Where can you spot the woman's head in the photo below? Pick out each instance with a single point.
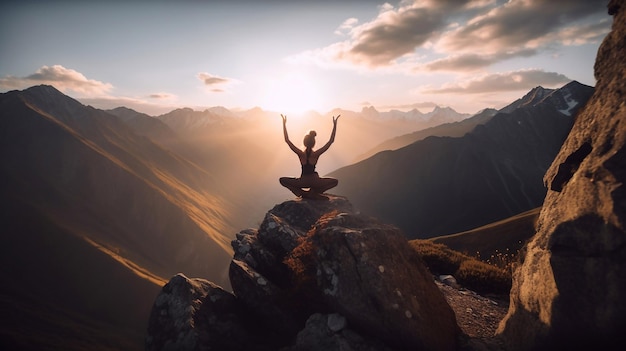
(309, 139)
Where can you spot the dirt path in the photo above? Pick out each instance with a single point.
(478, 316)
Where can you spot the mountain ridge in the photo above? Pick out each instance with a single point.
(502, 162)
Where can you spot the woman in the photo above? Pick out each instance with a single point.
(309, 179)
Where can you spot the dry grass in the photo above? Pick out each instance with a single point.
(469, 272)
(496, 243)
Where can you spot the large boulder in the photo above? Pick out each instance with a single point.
(570, 288)
(313, 276)
(366, 272)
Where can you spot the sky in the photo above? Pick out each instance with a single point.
(295, 56)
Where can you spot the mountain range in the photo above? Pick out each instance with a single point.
(100, 208)
(442, 185)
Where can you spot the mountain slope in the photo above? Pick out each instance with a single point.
(451, 129)
(113, 205)
(444, 185)
(502, 237)
(64, 293)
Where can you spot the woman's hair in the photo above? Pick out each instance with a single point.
(309, 139)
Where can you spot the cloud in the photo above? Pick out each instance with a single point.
(89, 91)
(346, 26)
(468, 34)
(62, 78)
(162, 96)
(583, 34)
(502, 82)
(472, 61)
(393, 34)
(211, 80)
(520, 24)
(215, 84)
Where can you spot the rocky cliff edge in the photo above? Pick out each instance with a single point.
(313, 276)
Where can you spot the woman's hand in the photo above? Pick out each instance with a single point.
(284, 118)
(335, 119)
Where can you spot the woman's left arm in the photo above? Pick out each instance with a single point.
(332, 136)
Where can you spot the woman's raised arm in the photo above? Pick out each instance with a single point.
(332, 136)
(291, 145)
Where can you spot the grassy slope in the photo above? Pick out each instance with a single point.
(505, 236)
(479, 259)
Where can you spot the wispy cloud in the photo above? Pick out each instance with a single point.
(162, 96)
(215, 83)
(347, 26)
(472, 61)
(62, 78)
(502, 82)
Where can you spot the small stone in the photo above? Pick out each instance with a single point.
(336, 322)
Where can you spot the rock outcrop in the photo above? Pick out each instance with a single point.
(569, 291)
(313, 276)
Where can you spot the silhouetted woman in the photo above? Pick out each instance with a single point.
(309, 179)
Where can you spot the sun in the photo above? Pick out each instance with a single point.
(294, 93)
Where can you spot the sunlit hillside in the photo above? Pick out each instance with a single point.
(95, 220)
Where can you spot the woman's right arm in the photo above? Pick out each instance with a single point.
(291, 145)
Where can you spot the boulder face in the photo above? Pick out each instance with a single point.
(313, 276)
(570, 286)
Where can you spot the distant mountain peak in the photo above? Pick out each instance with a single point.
(47, 91)
(534, 96)
(565, 98)
(369, 110)
(44, 88)
(220, 111)
(537, 93)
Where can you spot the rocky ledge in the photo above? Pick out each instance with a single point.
(313, 276)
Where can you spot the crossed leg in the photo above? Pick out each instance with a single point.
(316, 185)
(293, 184)
(321, 185)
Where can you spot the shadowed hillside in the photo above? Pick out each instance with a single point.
(65, 292)
(92, 210)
